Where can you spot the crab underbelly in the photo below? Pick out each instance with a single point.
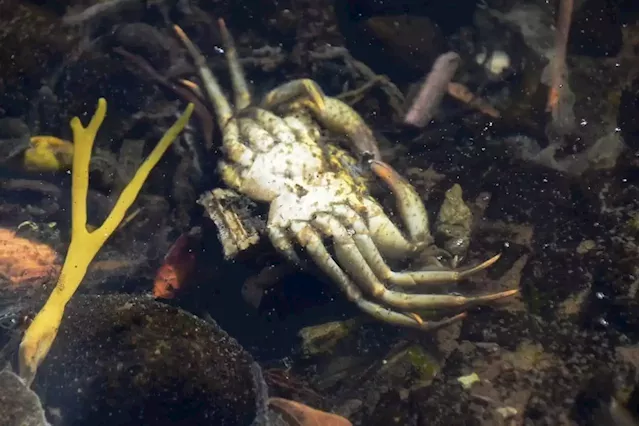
(321, 195)
(283, 167)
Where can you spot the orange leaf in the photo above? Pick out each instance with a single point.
(178, 266)
(26, 263)
(297, 414)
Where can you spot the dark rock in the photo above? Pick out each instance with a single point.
(19, 405)
(124, 360)
(31, 41)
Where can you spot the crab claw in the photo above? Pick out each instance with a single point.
(304, 90)
(334, 114)
(408, 202)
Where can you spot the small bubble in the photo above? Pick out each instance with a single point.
(219, 49)
(583, 122)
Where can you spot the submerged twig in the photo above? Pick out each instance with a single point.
(95, 11)
(361, 70)
(200, 109)
(433, 90)
(286, 382)
(437, 83)
(559, 67)
(464, 95)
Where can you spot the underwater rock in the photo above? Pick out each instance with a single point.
(19, 405)
(119, 360)
(30, 39)
(413, 40)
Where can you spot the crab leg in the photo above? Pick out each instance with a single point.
(409, 204)
(355, 264)
(414, 216)
(309, 239)
(211, 85)
(235, 151)
(240, 89)
(369, 250)
(416, 221)
(390, 240)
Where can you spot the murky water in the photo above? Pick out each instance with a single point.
(188, 315)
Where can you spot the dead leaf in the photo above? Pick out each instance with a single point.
(297, 414)
(26, 263)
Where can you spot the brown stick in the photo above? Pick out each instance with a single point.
(558, 70)
(464, 95)
(433, 90)
(201, 111)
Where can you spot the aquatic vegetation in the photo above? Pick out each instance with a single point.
(323, 338)
(48, 154)
(84, 245)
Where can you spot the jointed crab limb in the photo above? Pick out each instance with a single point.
(240, 89)
(341, 118)
(331, 112)
(313, 244)
(371, 257)
(334, 114)
(408, 202)
(352, 257)
(353, 264)
(235, 150)
(388, 238)
(211, 85)
(296, 90)
(414, 216)
(84, 245)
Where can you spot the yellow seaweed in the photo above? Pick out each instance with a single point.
(84, 245)
(48, 154)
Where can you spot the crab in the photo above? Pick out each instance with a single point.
(320, 211)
